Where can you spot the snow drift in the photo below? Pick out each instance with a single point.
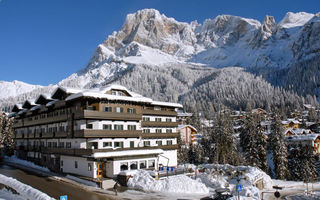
(23, 189)
(174, 184)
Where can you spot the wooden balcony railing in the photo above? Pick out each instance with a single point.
(158, 124)
(91, 114)
(159, 112)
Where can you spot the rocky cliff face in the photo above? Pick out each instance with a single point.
(148, 37)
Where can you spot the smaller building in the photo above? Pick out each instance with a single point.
(188, 134)
(303, 140)
(297, 131)
(182, 117)
(291, 123)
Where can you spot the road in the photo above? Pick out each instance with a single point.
(50, 186)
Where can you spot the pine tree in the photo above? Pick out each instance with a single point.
(308, 165)
(224, 147)
(6, 133)
(182, 151)
(253, 142)
(294, 163)
(279, 149)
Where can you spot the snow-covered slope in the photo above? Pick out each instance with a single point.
(14, 88)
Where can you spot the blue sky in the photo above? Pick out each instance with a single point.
(44, 41)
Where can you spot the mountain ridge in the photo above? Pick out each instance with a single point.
(148, 38)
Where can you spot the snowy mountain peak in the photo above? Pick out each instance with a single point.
(292, 20)
(14, 88)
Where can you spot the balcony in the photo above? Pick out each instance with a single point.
(91, 114)
(158, 124)
(159, 135)
(159, 112)
(108, 133)
(47, 135)
(31, 135)
(61, 134)
(40, 121)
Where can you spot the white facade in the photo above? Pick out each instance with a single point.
(78, 165)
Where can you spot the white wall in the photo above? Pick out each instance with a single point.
(163, 118)
(172, 155)
(98, 124)
(69, 166)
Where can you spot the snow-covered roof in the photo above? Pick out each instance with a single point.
(88, 93)
(51, 103)
(265, 123)
(161, 103)
(184, 114)
(12, 114)
(134, 97)
(309, 137)
(31, 102)
(126, 153)
(37, 107)
(46, 96)
(298, 131)
(22, 111)
(117, 87)
(19, 106)
(186, 125)
(291, 120)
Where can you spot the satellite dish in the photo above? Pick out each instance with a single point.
(277, 194)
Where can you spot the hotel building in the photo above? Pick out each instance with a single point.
(97, 132)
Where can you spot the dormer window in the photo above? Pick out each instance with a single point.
(117, 93)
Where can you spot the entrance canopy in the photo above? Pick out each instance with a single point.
(127, 153)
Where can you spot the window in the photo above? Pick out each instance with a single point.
(61, 144)
(151, 163)
(118, 144)
(75, 164)
(146, 130)
(123, 166)
(146, 143)
(54, 144)
(131, 110)
(89, 166)
(118, 109)
(107, 126)
(118, 127)
(158, 119)
(107, 109)
(68, 145)
(89, 126)
(61, 163)
(157, 108)
(158, 130)
(133, 165)
(132, 127)
(159, 142)
(131, 144)
(91, 108)
(168, 120)
(169, 142)
(146, 119)
(49, 144)
(169, 130)
(143, 164)
(107, 144)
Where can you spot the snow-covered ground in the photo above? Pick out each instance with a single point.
(186, 186)
(15, 160)
(173, 184)
(23, 191)
(213, 177)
